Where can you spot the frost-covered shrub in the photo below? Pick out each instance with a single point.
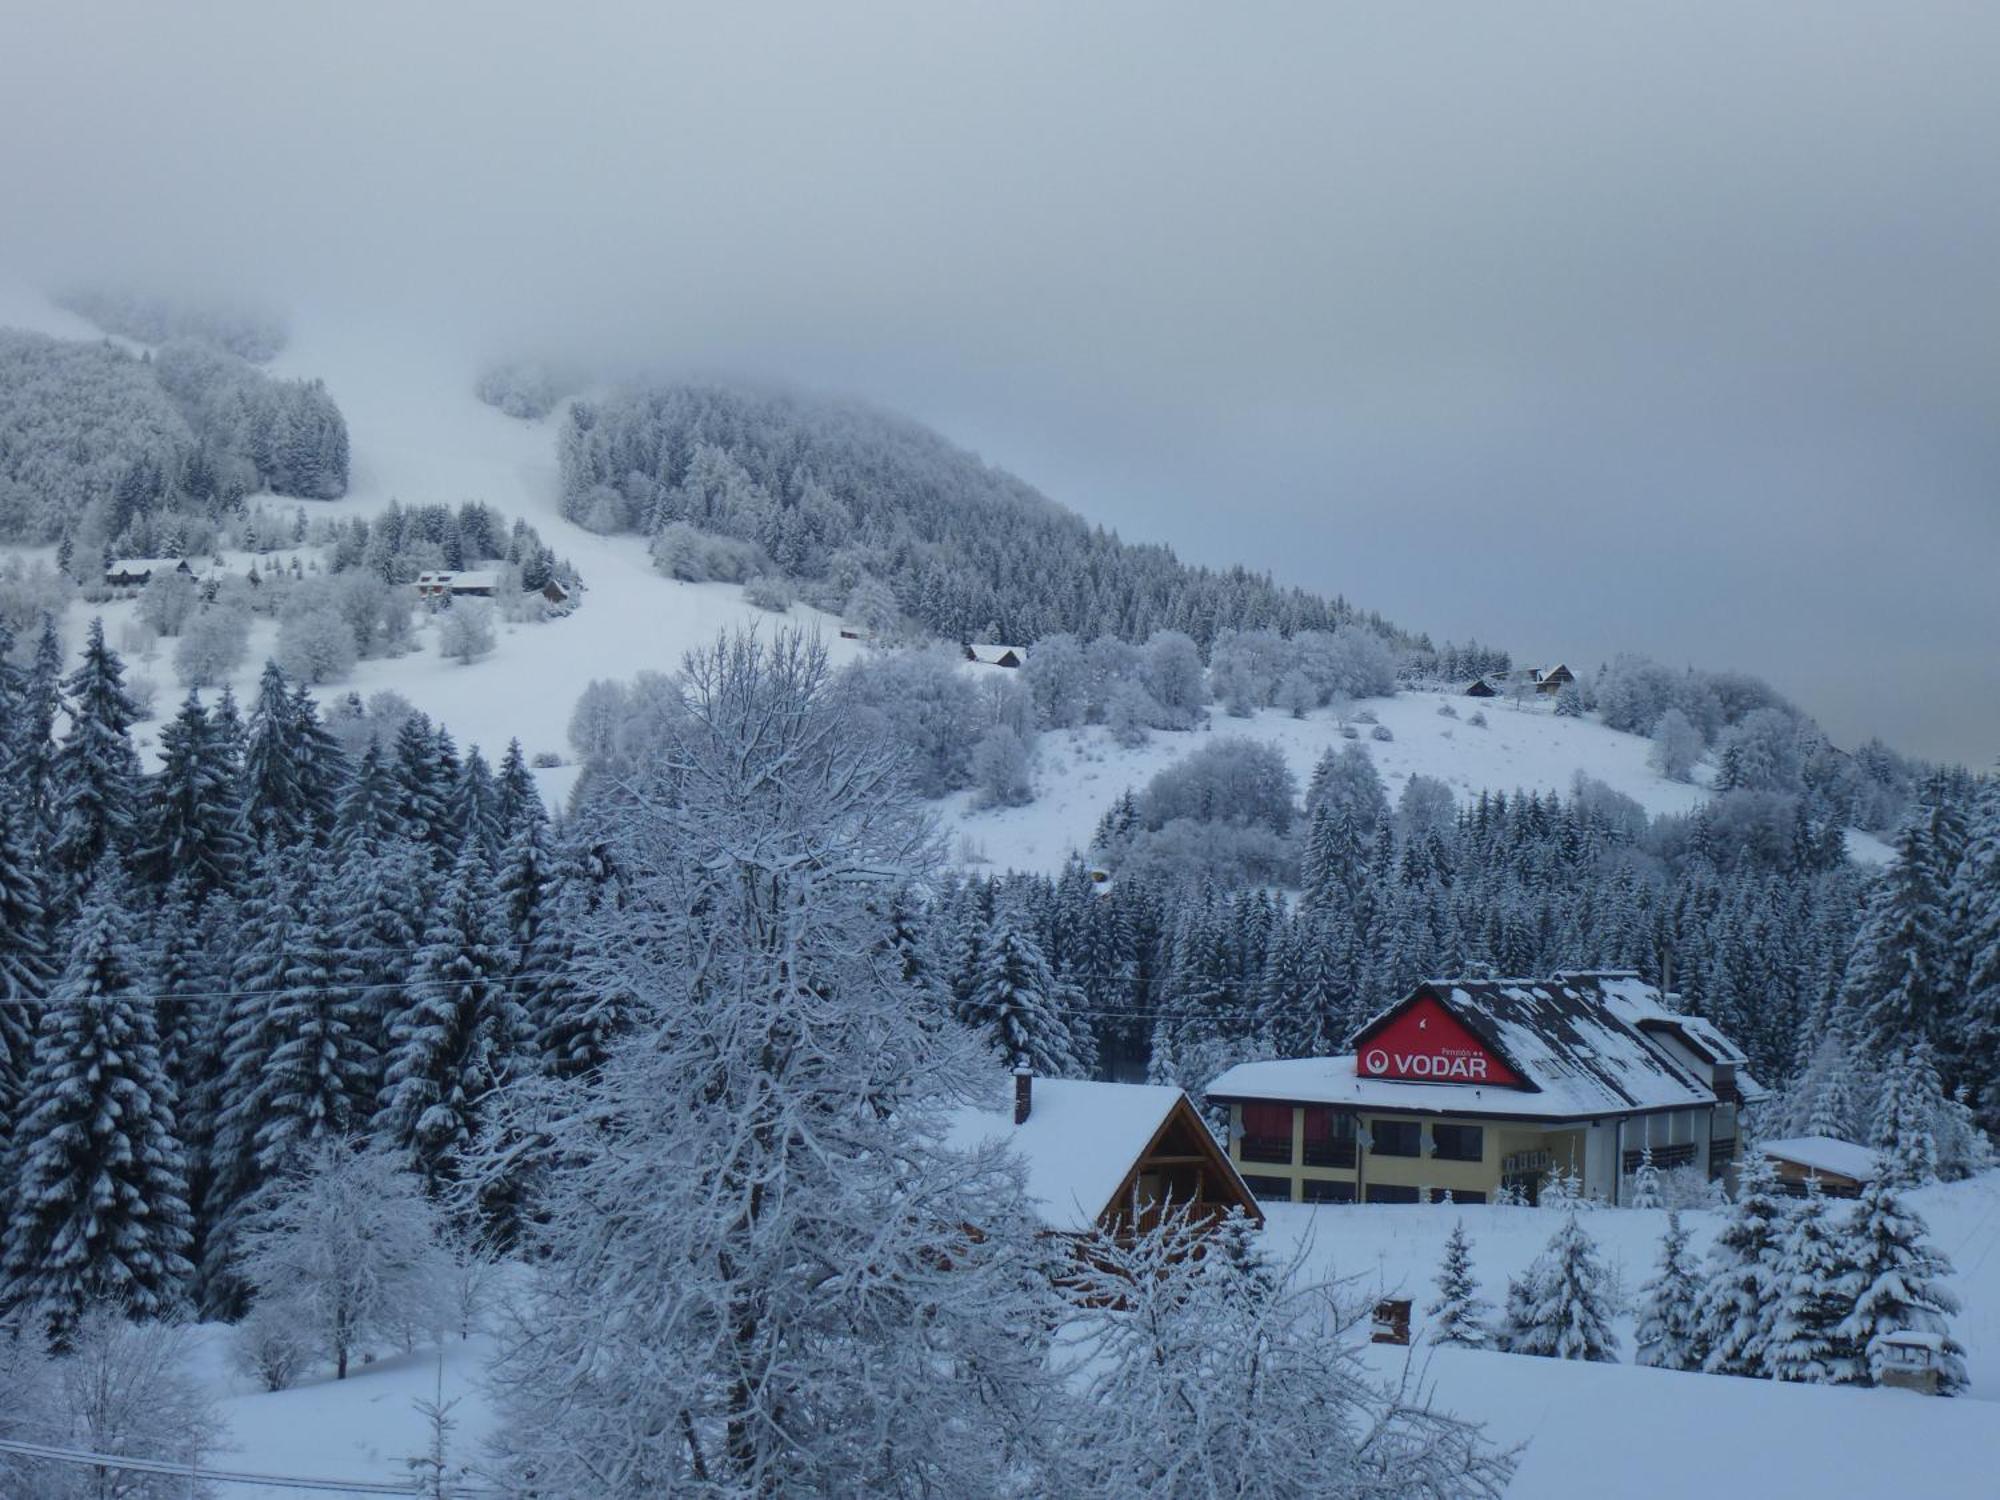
(1191, 851)
(1296, 694)
(29, 591)
(523, 388)
(465, 631)
(1170, 668)
(769, 591)
(1232, 780)
(680, 551)
(1001, 769)
(1677, 745)
(212, 645)
(145, 696)
(268, 1348)
(1381, 732)
(1426, 805)
(545, 760)
(923, 702)
(1057, 678)
(1446, 711)
(168, 600)
(1130, 714)
(315, 643)
(1350, 732)
(1478, 718)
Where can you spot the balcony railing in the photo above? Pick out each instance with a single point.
(1266, 1148)
(1334, 1153)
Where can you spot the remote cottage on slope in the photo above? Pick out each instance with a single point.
(1472, 1086)
(1108, 1155)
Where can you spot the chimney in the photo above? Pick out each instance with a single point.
(1024, 1089)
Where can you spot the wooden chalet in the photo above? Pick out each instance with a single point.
(1481, 688)
(1841, 1168)
(1550, 680)
(1109, 1156)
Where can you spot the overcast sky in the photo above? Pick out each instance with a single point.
(1577, 327)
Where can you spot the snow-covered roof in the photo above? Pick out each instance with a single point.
(992, 654)
(1575, 1040)
(468, 579)
(1824, 1153)
(1079, 1141)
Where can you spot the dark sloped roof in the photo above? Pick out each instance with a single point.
(1565, 1041)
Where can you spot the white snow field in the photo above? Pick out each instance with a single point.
(1590, 1431)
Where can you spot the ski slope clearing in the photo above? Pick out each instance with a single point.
(1590, 1430)
(418, 434)
(1078, 773)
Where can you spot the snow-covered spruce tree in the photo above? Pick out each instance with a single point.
(461, 1034)
(1016, 1003)
(1459, 1316)
(1194, 1377)
(24, 962)
(320, 1078)
(1899, 1278)
(1975, 1055)
(1901, 965)
(1903, 1132)
(191, 829)
(762, 1273)
(1668, 1334)
(99, 1182)
(1646, 1182)
(1740, 1295)
(1565, 1310)
(346, 1247)
(1816, 1286)
(94, 775)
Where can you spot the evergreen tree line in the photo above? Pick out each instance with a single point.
(1794, 1289)
(106, 448)
(265, 946)
(860, 506)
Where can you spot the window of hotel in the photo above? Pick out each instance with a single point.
(1270, 1189)
(1463, 1195)
(1458, 1142)
(1389, 1192)
(1329, 1137)
(1267, 1133)
(1396, 1138)
(1321, 1191)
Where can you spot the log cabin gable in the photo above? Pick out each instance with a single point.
(1180, 1150)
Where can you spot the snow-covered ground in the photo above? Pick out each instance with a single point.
(1590, 1430)
(1077, 773)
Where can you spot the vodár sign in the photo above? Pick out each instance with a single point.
(1426, 1043)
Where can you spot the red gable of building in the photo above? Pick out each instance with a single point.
(1423, 1042)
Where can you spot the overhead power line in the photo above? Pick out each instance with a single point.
(126, 1463)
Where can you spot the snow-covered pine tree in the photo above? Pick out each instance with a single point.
(517, 802)
(1899, 1279)
(777, 1117)
(460, 1035)
(1903, 1132)
(1565, 1309)
(192, 827)
(1646, 1182)
(24, 962)
(99, 1181)
(1975, 1054)
(1816, 1286)
(1668, 1334)
(273, 803)
(1740, 1296)
(94, 775)
(1459, 1316)
(320, 1081)
(1901, 965)
(1017, 1004)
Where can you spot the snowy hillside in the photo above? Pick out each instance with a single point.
(1589, 1430)
(418, 434)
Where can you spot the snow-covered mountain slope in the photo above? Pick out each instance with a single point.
(418, 434)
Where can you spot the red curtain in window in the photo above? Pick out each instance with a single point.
(1319, 1124)
(1267, 1121)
